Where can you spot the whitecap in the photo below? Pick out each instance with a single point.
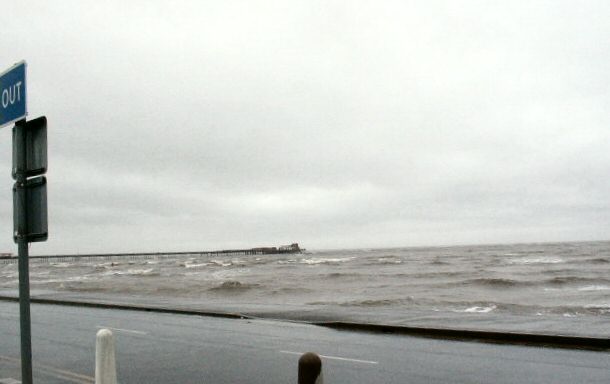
(389, 260)
(131, 272)
(60, 280)
(289, 261)
(589, 288)
(477, 309)
(315, 260)
(194, 265)
(221, 263)
(538, 260)
(140, 271)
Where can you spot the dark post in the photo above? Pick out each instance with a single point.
(310, 369)
(22, 240)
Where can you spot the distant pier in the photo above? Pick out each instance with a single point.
(285, 249)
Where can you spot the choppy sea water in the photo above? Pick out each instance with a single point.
(561, 288)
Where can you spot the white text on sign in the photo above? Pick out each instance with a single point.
(11, 95)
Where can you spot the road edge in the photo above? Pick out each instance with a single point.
(493, 337)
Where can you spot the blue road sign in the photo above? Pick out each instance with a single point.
(13, 94)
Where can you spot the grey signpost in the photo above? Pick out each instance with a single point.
(29, 191)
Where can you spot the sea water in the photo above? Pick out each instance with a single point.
(560, 288)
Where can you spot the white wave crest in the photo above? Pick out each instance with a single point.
(317, 260)
(389, 260)
(594, 288)
(289, 261)
(131, 272)
(538, 260)
(221, 263)
(477, 309)
(195, 265)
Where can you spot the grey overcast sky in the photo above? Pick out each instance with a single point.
(185, 125)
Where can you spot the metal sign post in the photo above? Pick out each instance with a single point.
(20, 213)
(29, 216)
(29, 193)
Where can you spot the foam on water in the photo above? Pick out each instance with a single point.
(589, 288)
(477, 309)
(132, 272)
(538, 260)
(317, 260)
(195, 265)
(389, 260)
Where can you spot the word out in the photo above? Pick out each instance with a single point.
(11, 95)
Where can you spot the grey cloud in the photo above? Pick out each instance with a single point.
(207, 125)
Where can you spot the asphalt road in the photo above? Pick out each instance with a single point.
(166, 348)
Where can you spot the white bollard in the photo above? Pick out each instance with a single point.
(105, 366)
(310, 369)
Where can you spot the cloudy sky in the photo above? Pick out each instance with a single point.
(215, 124)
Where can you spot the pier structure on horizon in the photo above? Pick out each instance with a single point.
(284, 249)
